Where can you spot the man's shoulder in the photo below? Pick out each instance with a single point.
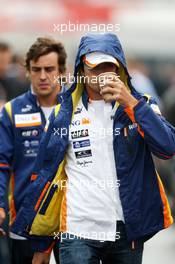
(20, 98)
(22, 104)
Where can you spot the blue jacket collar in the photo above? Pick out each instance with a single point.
(33, 97)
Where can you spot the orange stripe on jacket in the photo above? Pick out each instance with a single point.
(130, 113)
(63, 215)
(49, 250)
(168, 220)
(4, 165)
(28, 124)
(41, 196)
(11, 200)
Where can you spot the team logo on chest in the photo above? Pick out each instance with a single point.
(26, 120)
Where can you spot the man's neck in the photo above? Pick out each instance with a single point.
(45, 102)
(48, 100)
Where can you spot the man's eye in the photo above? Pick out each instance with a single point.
(49, 69)
(35, 69)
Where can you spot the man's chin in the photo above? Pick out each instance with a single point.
(44, 93)
(96, 90)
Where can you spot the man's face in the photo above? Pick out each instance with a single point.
(91, 74)
(42, 73)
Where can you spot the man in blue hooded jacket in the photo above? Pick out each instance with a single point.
(95, 185)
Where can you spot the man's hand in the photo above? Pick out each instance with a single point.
(119, 93)
(41, 258)
(2, 218)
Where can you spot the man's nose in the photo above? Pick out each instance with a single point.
(43, 75)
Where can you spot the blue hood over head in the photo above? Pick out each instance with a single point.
(107, 43)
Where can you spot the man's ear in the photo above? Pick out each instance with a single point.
(28, 74)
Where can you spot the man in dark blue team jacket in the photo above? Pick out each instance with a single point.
(22, 123)
(97, 135)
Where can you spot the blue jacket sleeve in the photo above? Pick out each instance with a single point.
(6, 153)
(157, 132)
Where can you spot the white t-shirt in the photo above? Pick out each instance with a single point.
(93, 203)
(47, 111)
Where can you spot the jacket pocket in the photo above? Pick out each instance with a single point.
(48, 199)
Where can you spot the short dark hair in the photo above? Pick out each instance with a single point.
(43, 46)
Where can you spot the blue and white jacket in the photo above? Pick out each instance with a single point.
(144, 203)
